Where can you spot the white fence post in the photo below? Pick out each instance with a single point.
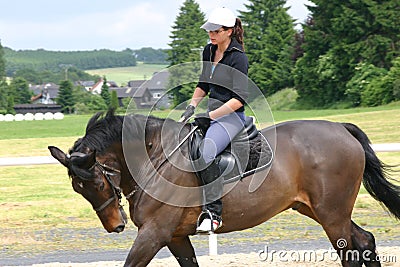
(388, 147)
(213, 244)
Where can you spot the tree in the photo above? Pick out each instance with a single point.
(105, 92)
(65, 97)
(151, 55)
(345, 34)
(114, 104)
(269, 42)
(187, 43)
(19, 88)
(41, 59)
(4, 89)
(384, 88)
(2, 63)
(360, 82)
(4, 96)
(38, 77)
(97, 103)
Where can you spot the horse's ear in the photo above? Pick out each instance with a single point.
(91, 158)
(85, 161)
(59, 155)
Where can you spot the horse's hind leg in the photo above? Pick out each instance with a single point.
(182, 249)
(339, 233)
(333, 212)
(338, 227)
(365, 243)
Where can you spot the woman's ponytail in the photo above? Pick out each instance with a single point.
(238, 32)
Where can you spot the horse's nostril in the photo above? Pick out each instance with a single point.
(119, 228)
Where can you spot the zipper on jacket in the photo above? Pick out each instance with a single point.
(212, 72)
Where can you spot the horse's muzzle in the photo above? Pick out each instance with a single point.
(119, 228)
(124, 218)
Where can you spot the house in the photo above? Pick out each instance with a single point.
(156, 87)
(43, 100)
(44, 93)
(36, 108)
(85, 84)
(136, 83)
(96, 88)
(140, 95)
(145, 93)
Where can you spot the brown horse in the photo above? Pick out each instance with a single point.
(317, 170)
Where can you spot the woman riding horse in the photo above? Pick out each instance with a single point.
(225, 116)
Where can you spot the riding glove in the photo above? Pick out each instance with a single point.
(188, 113)
(202, 120)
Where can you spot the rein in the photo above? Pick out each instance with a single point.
(178, 146)
(137, 188)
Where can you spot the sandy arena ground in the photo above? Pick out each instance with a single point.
(390, 256)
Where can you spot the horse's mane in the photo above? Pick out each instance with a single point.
(104, 130)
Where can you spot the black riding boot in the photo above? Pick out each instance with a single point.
(212, 191)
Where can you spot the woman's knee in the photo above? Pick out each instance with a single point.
(208, 150)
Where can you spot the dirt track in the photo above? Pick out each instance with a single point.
(390, 256)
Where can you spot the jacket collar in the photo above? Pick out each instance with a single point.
(234, 45)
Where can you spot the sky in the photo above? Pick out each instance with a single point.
(102, 24)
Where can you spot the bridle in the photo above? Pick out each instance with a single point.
(107, 171)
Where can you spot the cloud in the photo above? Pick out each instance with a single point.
(136, 26)
(79, 25)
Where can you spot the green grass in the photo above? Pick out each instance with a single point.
(280, 115)
(69, 126)
(37, 195)
(123, 75)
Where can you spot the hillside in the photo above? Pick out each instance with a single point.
(122, 75)
(54, 61)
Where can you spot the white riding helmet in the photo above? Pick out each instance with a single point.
(219, 17)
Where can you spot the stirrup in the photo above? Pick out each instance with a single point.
(207, 223)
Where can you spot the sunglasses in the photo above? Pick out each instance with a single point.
(216, 32)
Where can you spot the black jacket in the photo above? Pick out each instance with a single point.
(229, 79)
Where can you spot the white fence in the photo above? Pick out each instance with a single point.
(21, 161)
(212, 241)
(31, 116)
(389, 147)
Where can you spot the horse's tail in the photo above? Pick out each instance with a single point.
(376, 175)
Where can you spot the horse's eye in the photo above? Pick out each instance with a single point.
(101, 187)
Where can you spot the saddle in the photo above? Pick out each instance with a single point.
(248, 153)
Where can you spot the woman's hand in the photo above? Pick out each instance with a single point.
(203, 121)
(188, 113)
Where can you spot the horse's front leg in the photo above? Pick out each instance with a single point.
(150, 239)
(182, 249)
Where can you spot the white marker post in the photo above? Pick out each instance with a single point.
(213, 244)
